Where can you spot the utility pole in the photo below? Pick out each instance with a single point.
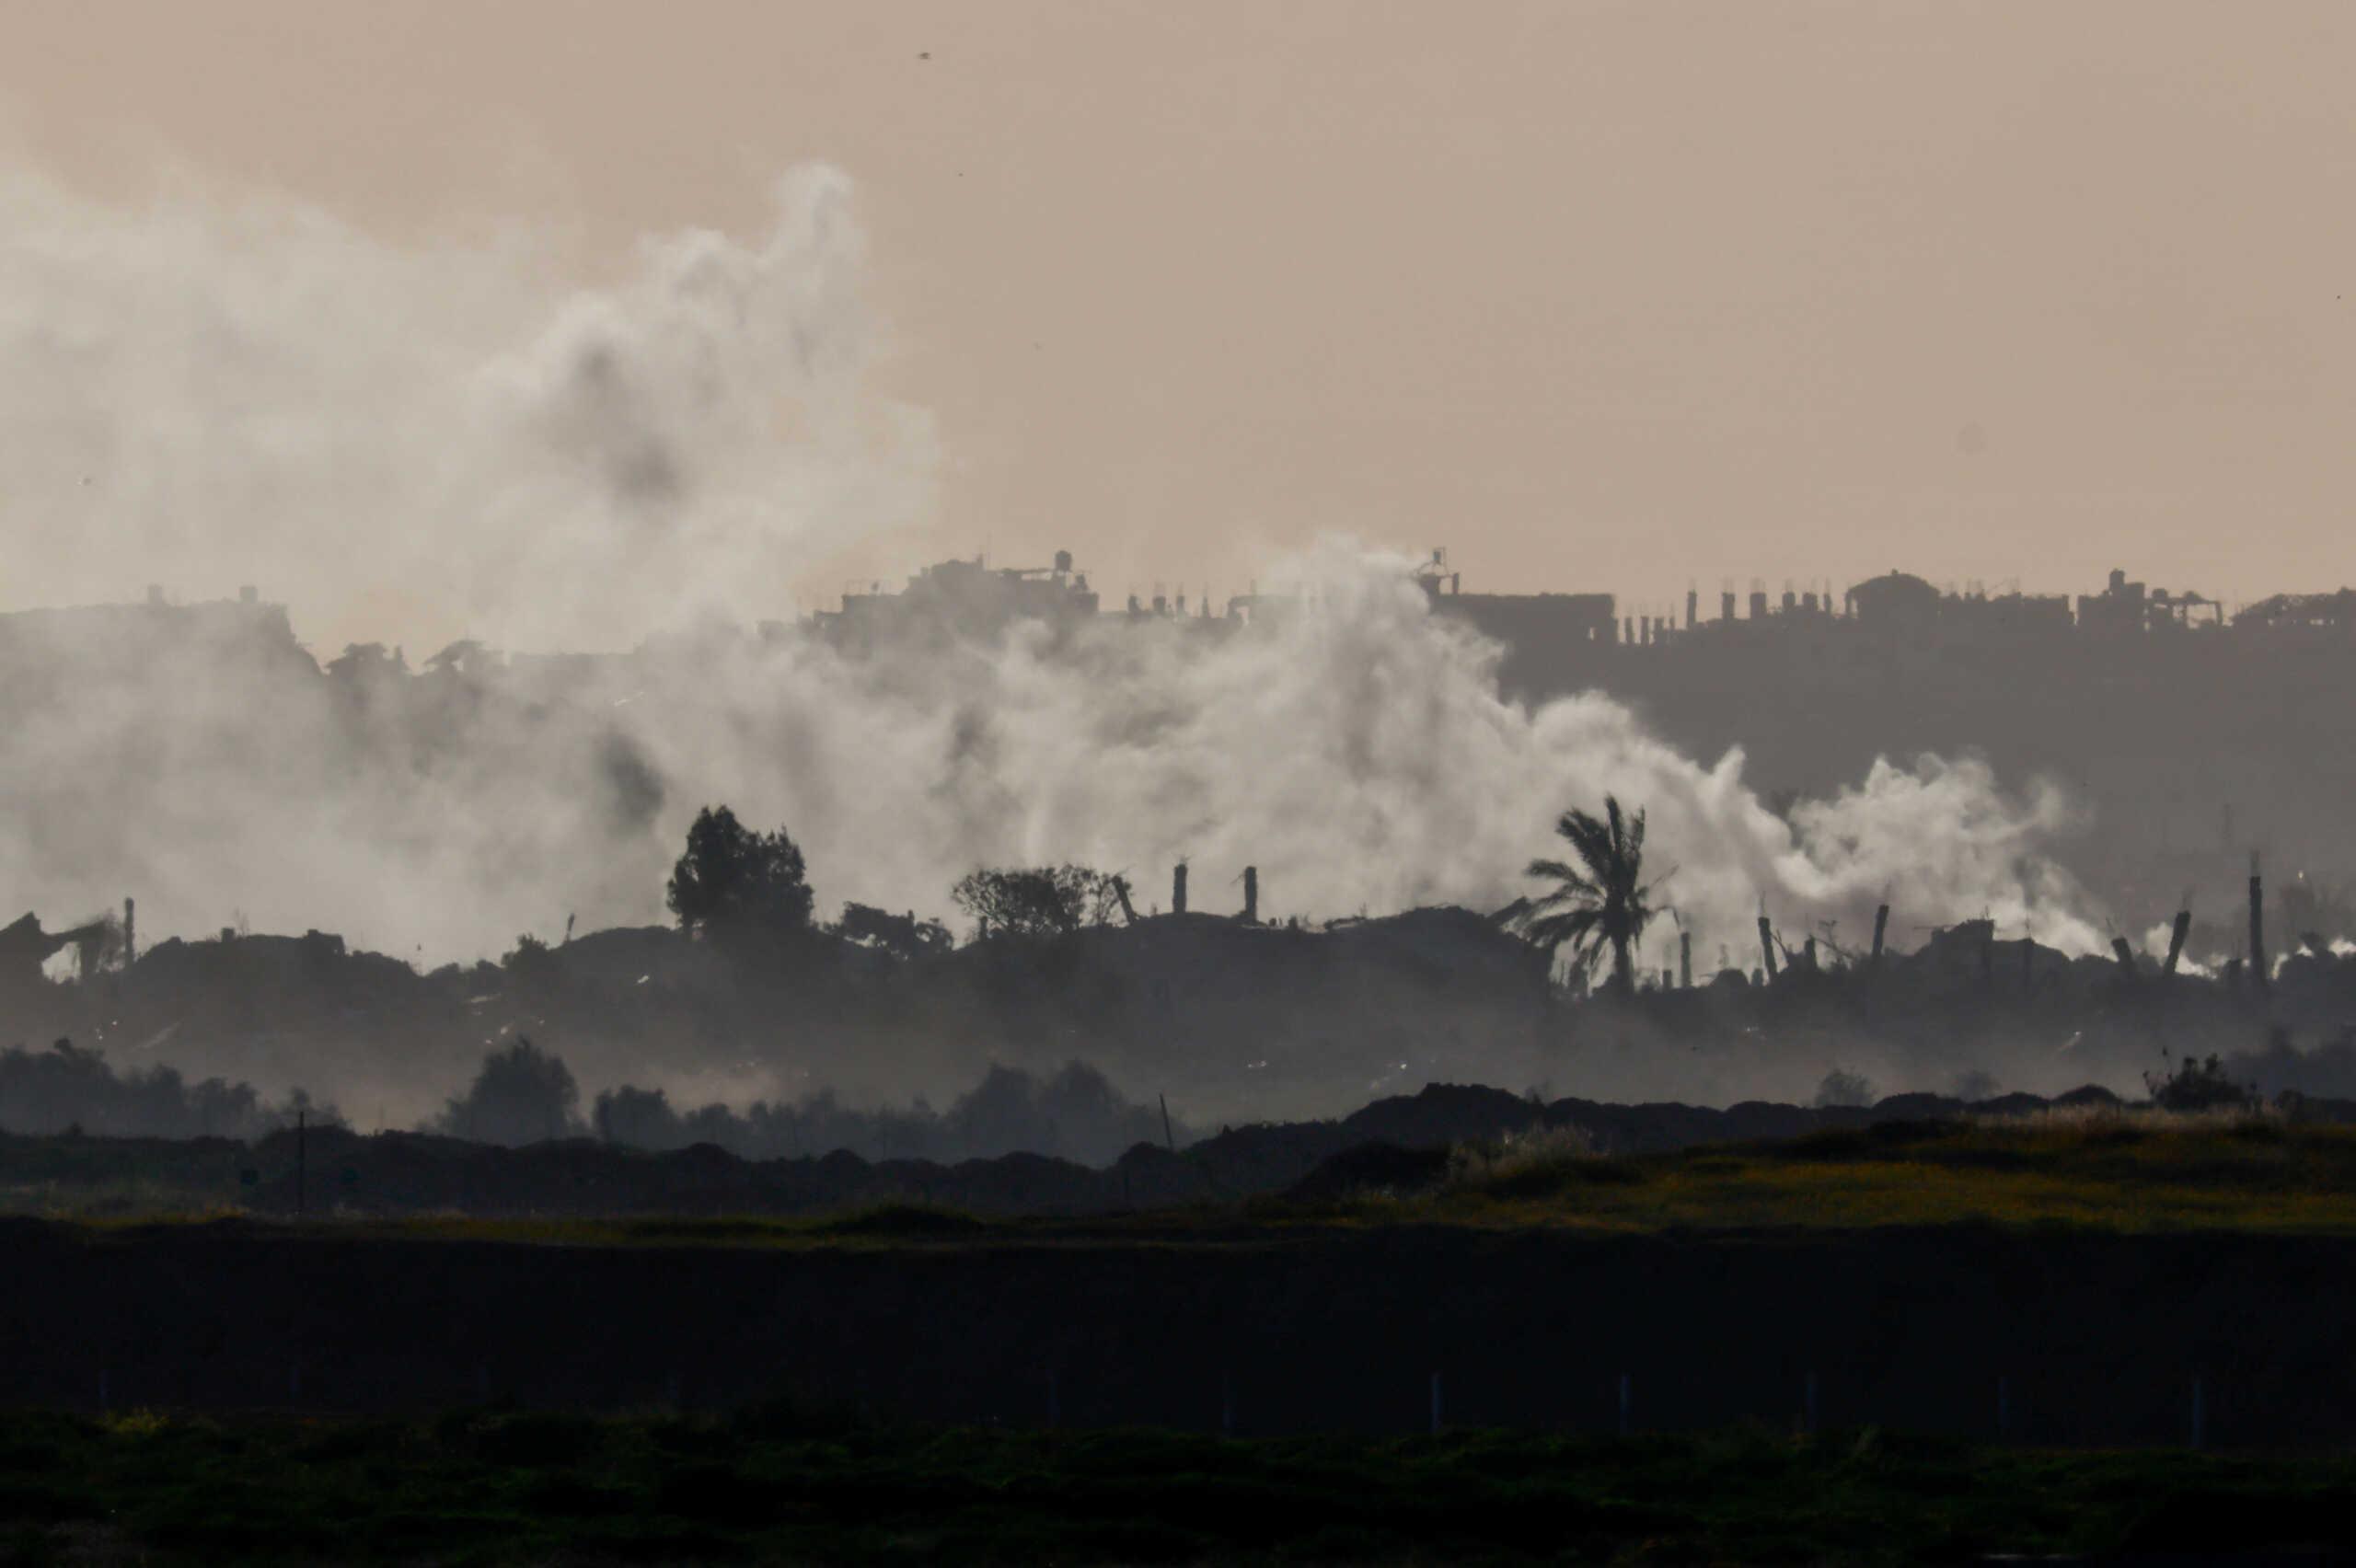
(2257, 926)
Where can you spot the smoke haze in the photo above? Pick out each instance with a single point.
(205, 392)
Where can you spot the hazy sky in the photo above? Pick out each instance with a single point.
(1598, 296)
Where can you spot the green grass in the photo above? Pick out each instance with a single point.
(2118, 1172)
(2136, 1174)
(781, 1483)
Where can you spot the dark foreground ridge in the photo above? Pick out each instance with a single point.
(1397, 1144)
(786, 1482)
(2051, 1338)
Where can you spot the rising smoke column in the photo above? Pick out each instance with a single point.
(212, 391)
(1357, 752)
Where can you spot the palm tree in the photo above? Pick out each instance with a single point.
(1601, 903)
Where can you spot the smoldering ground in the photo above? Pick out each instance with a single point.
(215, 391)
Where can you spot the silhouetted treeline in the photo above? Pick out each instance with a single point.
(1236, 1021)
(68, 1089)
(1075, 1114)
(522, 1095)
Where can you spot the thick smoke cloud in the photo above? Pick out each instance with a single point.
(200, 392)
(205, 391)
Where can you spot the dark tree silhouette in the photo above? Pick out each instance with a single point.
(2196, 1085)
(533, 966)
(1601, 903)
(732, 879)
(1042, 901)
(521, 1096)
(47, 1091)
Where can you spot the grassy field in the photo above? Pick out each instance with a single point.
(2129, 1173)
(2125, 1173)
(783, 1482)
(788, 1484)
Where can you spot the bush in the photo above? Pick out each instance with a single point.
(521, 1096)
(1841, 1087)
(1526, 1163)
(2198, 1085)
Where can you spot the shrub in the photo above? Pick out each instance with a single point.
(2198, 1085)
(1841, 1087)
(1526, 1163)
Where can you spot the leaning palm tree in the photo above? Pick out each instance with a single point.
(1601, 903)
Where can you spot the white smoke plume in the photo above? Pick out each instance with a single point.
(196, 392)
(205, 391)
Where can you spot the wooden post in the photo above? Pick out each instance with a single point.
(1178, 889)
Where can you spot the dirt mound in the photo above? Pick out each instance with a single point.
(1373, 1168)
